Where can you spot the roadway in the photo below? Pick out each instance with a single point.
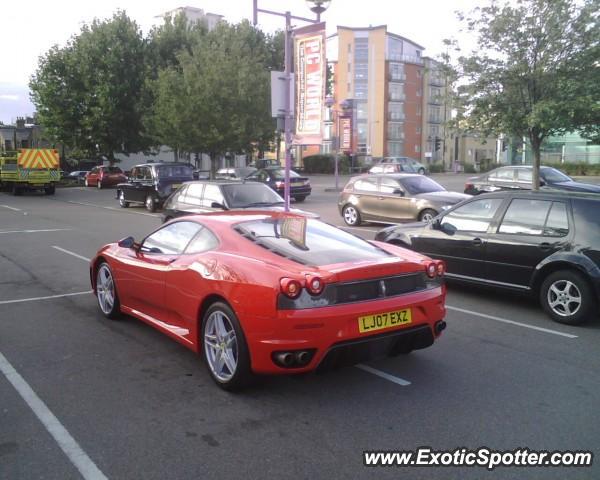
(82, 396)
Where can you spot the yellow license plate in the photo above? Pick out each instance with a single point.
(175, 186)
(381, 321)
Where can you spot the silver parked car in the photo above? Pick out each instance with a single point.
(395, 197)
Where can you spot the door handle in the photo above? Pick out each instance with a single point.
(545, 246)
(477, 242)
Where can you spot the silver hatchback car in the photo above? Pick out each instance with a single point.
(392, 198)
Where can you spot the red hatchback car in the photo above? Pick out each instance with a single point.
(104, 177)
(272, 292)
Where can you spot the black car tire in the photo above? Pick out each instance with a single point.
(562, 285)
(113, 312)
(427, 215)
(242, 376)
(351, 215)
(421, 171)
(16, 190)
(122, 202)
(300, 198)
(150, 203)
(49, 190)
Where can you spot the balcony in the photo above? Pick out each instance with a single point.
(397, 97)
(396, 57)
(397, 77)
(397, 136)
(396, 116)
(436, 82)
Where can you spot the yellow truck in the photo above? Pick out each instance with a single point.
(30, 169)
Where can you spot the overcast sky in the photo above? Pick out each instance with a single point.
(29, 29)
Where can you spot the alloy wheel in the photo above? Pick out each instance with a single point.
(105, 289)
(220, 346)
(564, 298)
(350, 215)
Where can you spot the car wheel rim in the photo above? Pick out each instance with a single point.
(122, 198)
(350, 215)
(105, 289)
(149, 203)
(220, 346)
(564, 298)
(427, 217)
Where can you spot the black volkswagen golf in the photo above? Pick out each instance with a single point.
(544, 243)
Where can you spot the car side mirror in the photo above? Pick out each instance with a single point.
(447, 228)
(542, 182)
(128, 242)
(218, 205)
(398, 191)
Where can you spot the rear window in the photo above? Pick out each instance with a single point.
(166, 171)
(309, 241)
(248, 194)
(421, 184)
(280, 173)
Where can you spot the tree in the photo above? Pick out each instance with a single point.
(535, 72)
(217, 98)
(88, 93)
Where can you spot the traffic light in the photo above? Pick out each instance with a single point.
(438, 142)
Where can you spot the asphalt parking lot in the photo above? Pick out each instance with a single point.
(82, 396)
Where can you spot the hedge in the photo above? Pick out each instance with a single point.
(326, 164)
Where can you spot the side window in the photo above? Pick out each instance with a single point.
(524, 175)
(172, 239)
(133, 173)
(368, 185)
(503, 174)
(475, 216)
(212, 193)
(193, 195)
(557, 224)
(140, 173)
(147, 173)
(525, 217)
(389, 185)
(202, 242)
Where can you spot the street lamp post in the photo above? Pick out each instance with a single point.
(318, 7)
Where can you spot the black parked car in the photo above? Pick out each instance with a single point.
(518, 177)
(274, 177)
(150, 184)
(544, 243)
(218, 195)
(235, 173)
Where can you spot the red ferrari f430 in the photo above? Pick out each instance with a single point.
(258, 292)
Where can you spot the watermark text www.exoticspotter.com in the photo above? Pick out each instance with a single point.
(481, 457)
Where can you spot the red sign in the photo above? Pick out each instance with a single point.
(345, 133)
(310, 72)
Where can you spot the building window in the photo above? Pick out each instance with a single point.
(419, 73)
(418, 110)
(361, 72)
(418, 130)
(349, 48)
(361, 111)
(361, 50)
(434, 130)
(395, 111)
(397, 72)
(419, 92)
(361, 129)
(360, 90)
(395, 149)
(396, 92)
(417, 148)
(395, 131)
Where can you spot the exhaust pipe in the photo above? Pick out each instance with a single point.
(302, 358)
(440, 326)
(285, 359)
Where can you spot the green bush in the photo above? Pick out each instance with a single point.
(468, 167)
(326, 164)
(577, 168)
(436, 168)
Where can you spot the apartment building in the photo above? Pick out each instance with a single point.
(396, 94)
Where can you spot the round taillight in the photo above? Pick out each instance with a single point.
(314, 285)
(431, 270)
(290, 287)
(441, 268)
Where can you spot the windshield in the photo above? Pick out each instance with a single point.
(420, 184)
(166, 171)
(309, 241)
(551, 175)
(250, 194)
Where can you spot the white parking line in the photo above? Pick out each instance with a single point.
(511, 322)
(11, 208)
(48, 297)
(387, 376)
(36, 231)
(113, 208)
(69, 252)
(66, 442)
